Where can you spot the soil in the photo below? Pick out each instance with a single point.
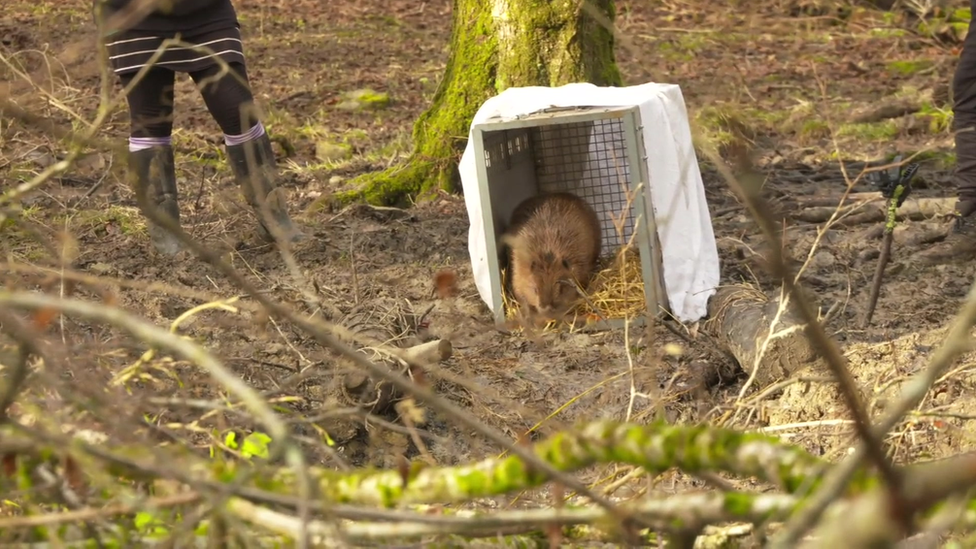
(773, 59)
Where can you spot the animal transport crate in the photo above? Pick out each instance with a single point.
(596, 153)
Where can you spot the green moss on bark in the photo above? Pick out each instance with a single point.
(554, 43)
(494, 45)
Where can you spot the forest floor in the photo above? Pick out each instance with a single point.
(802, 85)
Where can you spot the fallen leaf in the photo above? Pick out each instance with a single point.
(43, 317)
(445, 282)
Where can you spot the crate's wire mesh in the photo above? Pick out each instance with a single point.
(588, 159)
(511, 173)
(539, 153)
(503, 148)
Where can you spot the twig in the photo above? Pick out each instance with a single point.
(895, 190)
(698, 508)
(139, 285)
(889, 236)
(826, 346)
(189, 350)
(89, 513)
(924, 486)
(956, 343)
(292, 452)
(314, 327)
(655, 448)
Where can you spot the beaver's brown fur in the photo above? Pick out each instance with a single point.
(554, 242)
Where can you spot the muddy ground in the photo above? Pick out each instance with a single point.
(789, 78)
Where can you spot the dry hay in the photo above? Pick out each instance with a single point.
(616, 292)
(617, 289)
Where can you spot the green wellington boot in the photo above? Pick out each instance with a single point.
(155, 171)
(260, 190)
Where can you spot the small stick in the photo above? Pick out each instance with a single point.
(878, 276)
(431, 352)
(896, 192)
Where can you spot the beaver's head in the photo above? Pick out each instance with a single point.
(543, 280)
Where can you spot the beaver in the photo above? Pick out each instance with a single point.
(554, 243)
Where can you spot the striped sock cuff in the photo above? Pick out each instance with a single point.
(250, 135)
(142, 143)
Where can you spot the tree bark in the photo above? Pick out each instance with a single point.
(494, 45)
(741, 318)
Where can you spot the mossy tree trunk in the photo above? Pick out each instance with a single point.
(495, 44)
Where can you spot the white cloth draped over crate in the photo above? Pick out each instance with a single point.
(688, 249)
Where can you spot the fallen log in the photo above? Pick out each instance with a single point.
(390, 323)
(741, 318)
(388, 332)
(888, 108)
(378, 395)
(874, 211)
(833, 200)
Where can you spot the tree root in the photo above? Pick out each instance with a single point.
(392, 186)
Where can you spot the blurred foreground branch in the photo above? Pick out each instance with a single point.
(655, 448)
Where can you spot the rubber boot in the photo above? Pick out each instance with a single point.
(960, 241)
(154, 171)
(260, 190)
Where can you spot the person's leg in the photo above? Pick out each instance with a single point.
(229, 100)
(960, 243)
(151, 160)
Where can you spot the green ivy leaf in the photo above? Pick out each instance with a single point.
(256, 444)
(146, 522)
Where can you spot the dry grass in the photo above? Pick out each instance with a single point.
(617, 289)
(615, 292)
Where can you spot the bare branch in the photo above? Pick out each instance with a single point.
(827, 347)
